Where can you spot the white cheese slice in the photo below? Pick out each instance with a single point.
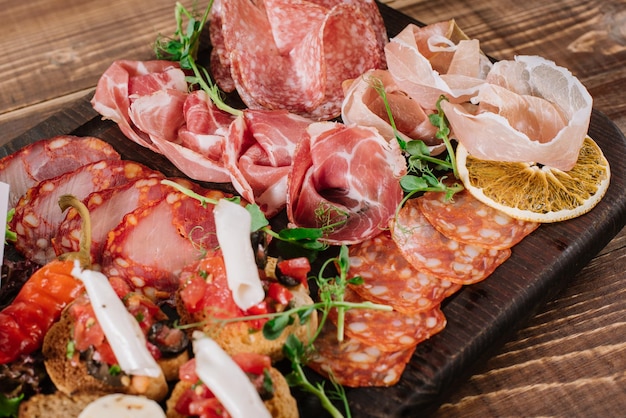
(230, 385)
(121, 329)
(122, 406)
(232, 224)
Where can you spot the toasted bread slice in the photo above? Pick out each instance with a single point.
(282, 404)
(72, 378)
(56, 404)
(237, 337)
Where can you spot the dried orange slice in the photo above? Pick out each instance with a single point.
(537, 193)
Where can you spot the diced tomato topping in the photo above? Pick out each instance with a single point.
(187, 372)
(279, 293)
(214, 293)
(208, 408)
(297, 268)
(252, 362)
(193, 294)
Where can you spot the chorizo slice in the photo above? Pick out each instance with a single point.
(429, 250)
(38, 216)
(468, 220)
(48, 158)
(355, 364)
(389, 330)
(388, 277)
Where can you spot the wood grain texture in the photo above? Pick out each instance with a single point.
(569, 359)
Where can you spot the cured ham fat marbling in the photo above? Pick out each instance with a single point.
(531, 110)
(344, 179)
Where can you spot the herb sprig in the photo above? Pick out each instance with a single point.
(307, 238)
(421, 168)
(183, 48)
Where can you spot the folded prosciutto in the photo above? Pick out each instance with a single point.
(437, 59)
(531, 110)
(344, 179)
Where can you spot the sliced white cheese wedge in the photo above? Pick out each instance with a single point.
(230, 385)
(122, 406)
(121, 329)
(232, 224)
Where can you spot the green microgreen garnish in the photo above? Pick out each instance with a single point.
(421, 168)
(183, 48)
(115, 370)
(9, 236)
(307, 238)
(9, 406)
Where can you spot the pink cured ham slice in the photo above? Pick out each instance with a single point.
(148, 249)
(198, 146)
(530, 111)
(389, 279)
(355, 364)
(389, 330)
(427, 249)
(345, 177)
(50, 158)
(424, 63)
(259, 153)
(107, 208)
(38, 216)
(467, 220)
(364, 106)
(125, 81)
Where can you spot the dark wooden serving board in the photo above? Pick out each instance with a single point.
(480, 317)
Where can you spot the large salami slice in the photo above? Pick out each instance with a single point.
(152, 244)
(355, 364)
(389, 330)
(344, 179)
(429, 250)
(468, 220)
(50, 158)
(389, 279)
(38, 216)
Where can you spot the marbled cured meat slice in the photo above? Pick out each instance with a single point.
(301, 72)
(148, 249)
(124, 82)
(38, 216)
(424, 63)
(355, 364)
(429, 250)
(364, 106)
(389, 279)
(531, 110)
(345, 177)
(107, 209)
(259, 153)
(198, 146)
(389, 330)
(50, 158)
(468, 220)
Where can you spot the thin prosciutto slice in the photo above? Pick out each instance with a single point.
(259, 154)
(531, 111)
(364, 106)
(125, 81)
(436, 59)
(347, 177)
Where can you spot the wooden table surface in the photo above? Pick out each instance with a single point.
(570, 359)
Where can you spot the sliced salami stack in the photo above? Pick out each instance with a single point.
(433, 248)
